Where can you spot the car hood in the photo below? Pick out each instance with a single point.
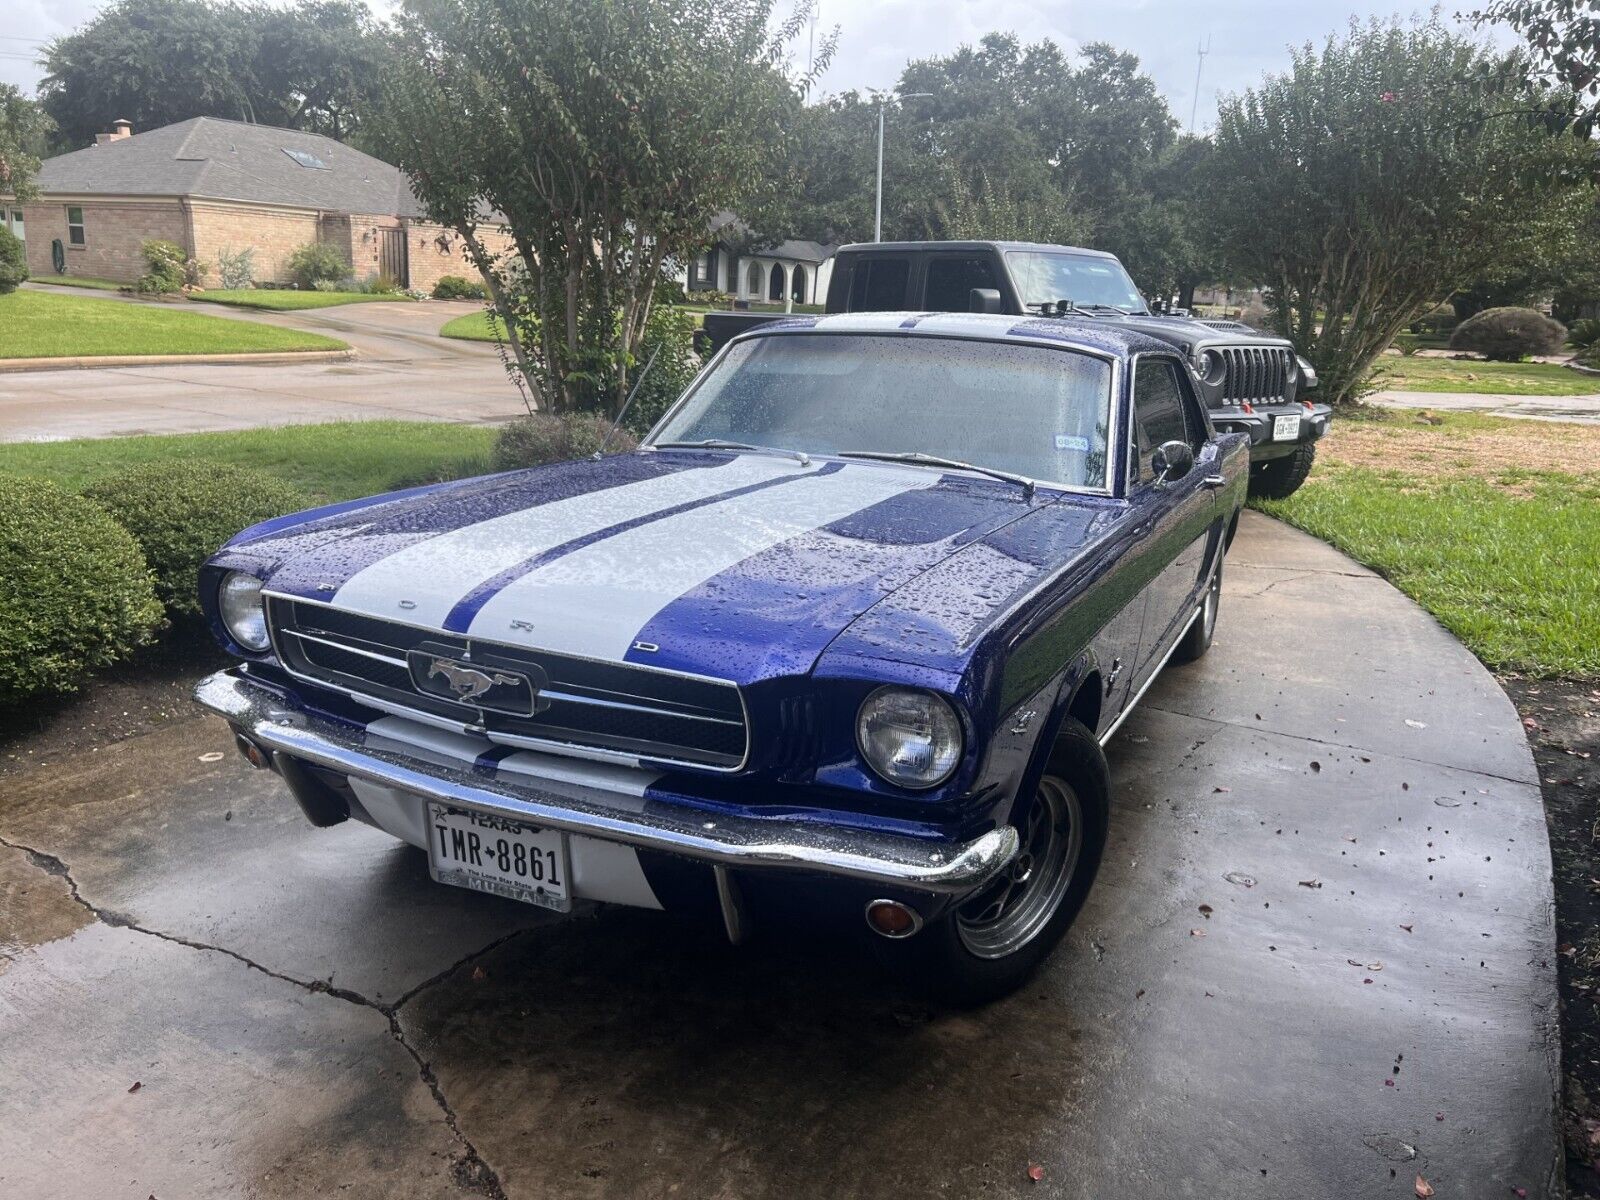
(741, 566)
(1189, 332)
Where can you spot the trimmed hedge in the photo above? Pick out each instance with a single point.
(314, 261)
(457, 287)
(1508, 334)
(180, 514)
(545, 438)
(75, 593)
(13, 262)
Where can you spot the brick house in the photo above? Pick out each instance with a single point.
(212, 185)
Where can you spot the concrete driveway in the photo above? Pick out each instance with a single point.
(1319, 963)
(1585, 410)
(401, 370)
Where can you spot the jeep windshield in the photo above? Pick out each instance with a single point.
(1088, 281)
(1036, 411)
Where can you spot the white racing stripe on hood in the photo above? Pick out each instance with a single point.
(435, 573)
(594, 601)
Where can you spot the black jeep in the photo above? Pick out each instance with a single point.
(1253, 382)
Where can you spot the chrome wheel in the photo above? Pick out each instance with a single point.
(1208, 615)
(1011, 911)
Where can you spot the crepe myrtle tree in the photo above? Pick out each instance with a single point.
(1380, 174)
(604, 137)
(23, 130)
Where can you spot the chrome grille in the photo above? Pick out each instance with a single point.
(584, 705)
(1259, 374)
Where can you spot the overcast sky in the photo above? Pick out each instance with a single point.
(1247, 38)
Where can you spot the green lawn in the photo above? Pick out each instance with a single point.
(1504, 555)
(328, 462)
(284, 300)
(81, 281)
(1418, 374)
(37, 324)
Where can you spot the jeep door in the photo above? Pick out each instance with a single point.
(1178, 515)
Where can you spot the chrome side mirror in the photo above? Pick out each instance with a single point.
(1172, 461)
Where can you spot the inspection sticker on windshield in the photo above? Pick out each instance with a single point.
(1067, 441)
(1286, 428)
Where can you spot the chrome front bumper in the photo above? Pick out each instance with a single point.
(738, 843)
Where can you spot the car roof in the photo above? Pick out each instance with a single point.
(1081, 332)
(930, 247)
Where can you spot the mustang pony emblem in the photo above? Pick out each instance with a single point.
(468, 683)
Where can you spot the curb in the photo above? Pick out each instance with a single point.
(88, 363)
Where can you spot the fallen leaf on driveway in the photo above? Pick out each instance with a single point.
(479, 974)
(1374, 966)
(1222, 789)
(1418, 725)
(1035, 1172)
(1197, 933)
(1407, 928)
(1311, 883)
(1206, 910)
(137, 1084)
(1424, 1188)
(211, 756)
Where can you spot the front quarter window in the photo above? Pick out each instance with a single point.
(1038, 411)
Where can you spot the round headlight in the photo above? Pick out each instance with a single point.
(239, 605)
(910, 737)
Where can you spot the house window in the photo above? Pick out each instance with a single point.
(700, 276)
(75, 227)
(16, 225)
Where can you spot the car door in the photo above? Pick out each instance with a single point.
(1180, 513)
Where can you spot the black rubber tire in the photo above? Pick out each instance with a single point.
(950, 971)
(1198, 640)
(1280, 478)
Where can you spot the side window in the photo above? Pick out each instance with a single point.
(75, 226)
(879, 284)
(951, 280)
(1161, 411)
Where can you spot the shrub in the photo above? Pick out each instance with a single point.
(1585, 334)
(671, 331)
(167, 263)
(329, 285)
(546, 438)
(236, 269)
(456, 287)
(1438, 323)
(314, 261)
(381, 285)
(75, 593)
(1508, 334)
(181, 516)
(13, 262)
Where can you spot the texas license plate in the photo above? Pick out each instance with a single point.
(1286, 428)
(491, 854)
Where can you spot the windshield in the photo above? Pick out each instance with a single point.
(1043, 277)
(1034, 410)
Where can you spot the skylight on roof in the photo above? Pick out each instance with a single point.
(306, 159)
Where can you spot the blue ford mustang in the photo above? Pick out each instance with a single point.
(850, 628)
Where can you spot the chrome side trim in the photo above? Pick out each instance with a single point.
(1154, 675)
(745, 843)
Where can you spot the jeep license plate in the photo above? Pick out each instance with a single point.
(491, 854)
(1286, 428)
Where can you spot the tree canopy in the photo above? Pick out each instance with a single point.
(24, 130)
(1381, 173)
(1563, 38)
(606, 137)
(154, 62)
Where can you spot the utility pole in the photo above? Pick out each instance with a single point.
(1200, 53)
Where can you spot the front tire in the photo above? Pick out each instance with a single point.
(1280, 478)
(990, 943)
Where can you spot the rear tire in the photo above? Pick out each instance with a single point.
(1280, 478)
(991, 942)
(1198, 640)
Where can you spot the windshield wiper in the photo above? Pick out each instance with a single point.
(800, 456)
(933, 460)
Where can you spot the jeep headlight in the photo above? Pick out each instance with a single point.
(910, 737)
(240, 607)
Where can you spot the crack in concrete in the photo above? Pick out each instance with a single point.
(471, 1170)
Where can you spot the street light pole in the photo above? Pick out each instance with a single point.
(877, 220)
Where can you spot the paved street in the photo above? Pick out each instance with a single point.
(1319, 962)
(401, 370)
(1582, 409)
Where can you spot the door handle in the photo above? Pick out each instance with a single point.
(1214, 481)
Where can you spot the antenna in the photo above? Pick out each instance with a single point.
(627, 404)
(1200, 53)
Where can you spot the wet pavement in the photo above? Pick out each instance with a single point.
(1319, 962)
(1584, 410)
(401, 370)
